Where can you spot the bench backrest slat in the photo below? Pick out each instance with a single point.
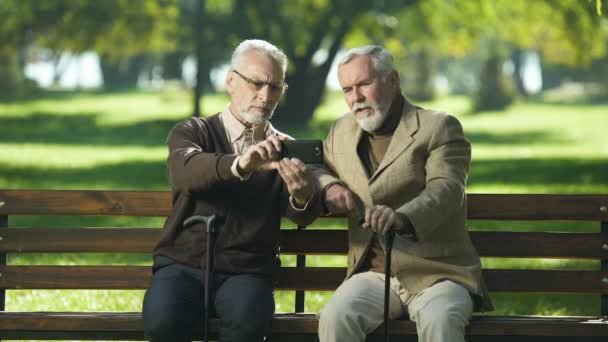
(85, 202)
(158, 203)
(312, 241)
(288, 278)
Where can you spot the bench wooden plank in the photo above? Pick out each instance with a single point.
(539, 245)
(537, 207)
(158, 203)
(79, 240)
(311, 241)
(288, 278)
(85, 202)
(305, 324)
(128, 326)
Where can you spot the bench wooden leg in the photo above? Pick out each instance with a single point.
(3, 258)
(604, 262)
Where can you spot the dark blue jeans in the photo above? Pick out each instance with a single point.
(173, 305)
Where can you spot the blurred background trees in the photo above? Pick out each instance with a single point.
(493, 51)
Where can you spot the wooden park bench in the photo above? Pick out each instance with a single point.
(298, 326)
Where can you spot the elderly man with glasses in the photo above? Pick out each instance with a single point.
(228, 165)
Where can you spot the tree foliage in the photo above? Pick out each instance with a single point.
(311, 32)
(116, 29)
(112, 27)
(125, 33)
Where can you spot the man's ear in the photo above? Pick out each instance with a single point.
(394, 79)
(228, 83)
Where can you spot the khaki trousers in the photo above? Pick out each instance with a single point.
(441, 312)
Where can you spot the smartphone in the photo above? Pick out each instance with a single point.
(308, 151)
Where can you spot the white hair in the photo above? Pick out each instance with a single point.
(382, 60)
(259, 46)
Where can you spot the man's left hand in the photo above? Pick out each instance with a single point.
(297, 178)
(381, 219)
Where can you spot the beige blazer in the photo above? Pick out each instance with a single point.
(423, 175)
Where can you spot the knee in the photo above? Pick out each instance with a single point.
(250, 322)
(246, 329)
(162, 324)
(339, 313)
(447, 319)
(161, 327)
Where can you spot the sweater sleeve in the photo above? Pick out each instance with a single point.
(191, 166)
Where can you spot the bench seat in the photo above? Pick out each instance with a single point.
(129, 326)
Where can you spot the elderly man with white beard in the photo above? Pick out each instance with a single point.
(401, 168)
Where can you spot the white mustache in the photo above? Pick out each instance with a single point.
(363, 105)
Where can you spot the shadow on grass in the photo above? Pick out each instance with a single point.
(84, 129)
(539, 172)
(515, 138)
(319, 129)
(599, 99)
(50, 128)
(135, 175)
(66, 94)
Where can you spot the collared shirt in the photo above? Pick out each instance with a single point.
(242, 137)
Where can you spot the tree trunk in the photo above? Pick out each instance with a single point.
(516, 58)
(496, 90)
(11, 79)
(122, 74)
(307, 84)
(200, 69)
(304, 95)
(420, 81)
(172, 65)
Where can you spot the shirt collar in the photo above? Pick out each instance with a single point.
(235, 129)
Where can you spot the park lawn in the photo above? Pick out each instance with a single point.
(116, 142)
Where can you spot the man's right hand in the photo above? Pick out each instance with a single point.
(262, 156)
(339, 199)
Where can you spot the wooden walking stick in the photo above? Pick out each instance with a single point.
(210, 223)
(389, 237)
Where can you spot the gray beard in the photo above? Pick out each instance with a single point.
(256, 120)
(372, 122)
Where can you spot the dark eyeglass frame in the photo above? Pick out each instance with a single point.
(258, 85)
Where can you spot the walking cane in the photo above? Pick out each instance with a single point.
(389, 237)
(210, 223)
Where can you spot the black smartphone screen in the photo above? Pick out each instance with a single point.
(308, 151)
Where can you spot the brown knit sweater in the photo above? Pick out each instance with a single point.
(250, 211)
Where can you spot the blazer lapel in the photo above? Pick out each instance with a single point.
(402, 138)
(356, 162)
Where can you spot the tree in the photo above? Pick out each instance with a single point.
(117, 30)
(311, 33)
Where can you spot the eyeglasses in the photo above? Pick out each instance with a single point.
(257, 85)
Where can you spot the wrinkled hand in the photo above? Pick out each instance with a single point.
(339, 199)
(381, 219)
(262, 156)
(298, 179)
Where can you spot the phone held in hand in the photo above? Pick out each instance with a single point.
(308, 151)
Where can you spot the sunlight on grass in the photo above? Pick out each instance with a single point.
(74, 157)
(540, 264)
(75, 300)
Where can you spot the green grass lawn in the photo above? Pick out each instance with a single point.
(116, 142)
